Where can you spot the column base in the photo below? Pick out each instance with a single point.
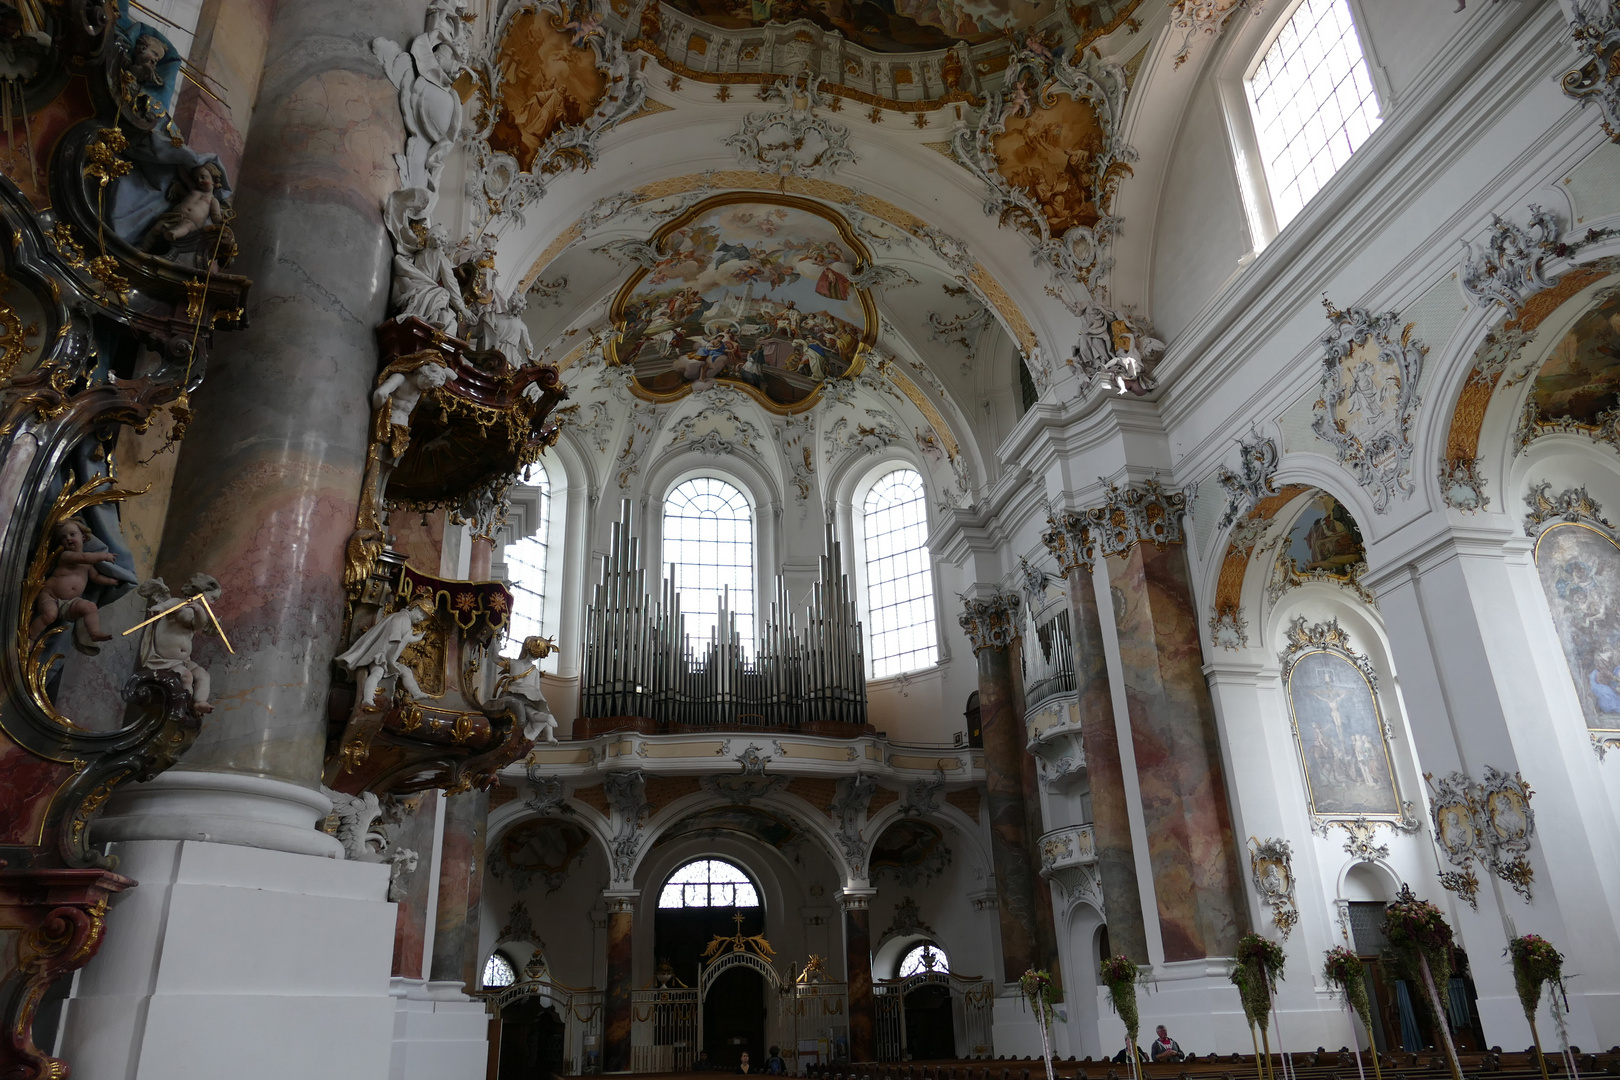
(219, 808)
(232, 961)
(439, 1032)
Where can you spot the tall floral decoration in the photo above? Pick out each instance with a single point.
(1535, 964)
(1421, 942)
(1119, 974)
(1037, 989)
(1344, 972)
(1260, 963)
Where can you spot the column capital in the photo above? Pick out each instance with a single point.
(1142, 512)
(1068, 538)
(853, 899)
(620, 900)
(993, 623)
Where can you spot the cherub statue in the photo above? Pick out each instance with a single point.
(521, 689)
(194, 205)
(395, 399)
(144, 57)
(376, 653)
(62, 595)
(166, 643)
(501, 328)
(1126, 365)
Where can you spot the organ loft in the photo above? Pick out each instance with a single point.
(870, 541)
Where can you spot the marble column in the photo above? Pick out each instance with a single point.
(1070, 541)
(461, 886)
(617, 1006)
(858, 973)
(1191, 846)
(269, 475)
(993, 627)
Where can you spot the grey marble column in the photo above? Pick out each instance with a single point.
(269, 476)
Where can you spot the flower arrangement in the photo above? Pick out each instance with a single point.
(1421, 942)
(1344, 972)
(1260, 963)
(1119, 974)
(1037, 988)
(1535, 964)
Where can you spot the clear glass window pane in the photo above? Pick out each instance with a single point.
(899, 579)
(1313, 103)
(498, 971)
(708, 883)
(709, 548)
(526, 572)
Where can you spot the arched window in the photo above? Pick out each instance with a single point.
(899, 577)
(924, 956)
(498, 971)
(709, 547)
(526, 571)
(708, 883)
(1313, 103)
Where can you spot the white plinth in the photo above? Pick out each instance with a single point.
(439, 1033)
(239, 962)
(219, 808)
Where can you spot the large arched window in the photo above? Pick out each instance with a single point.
(709, 548)
(498, 971)
(924, 956)
(709, 883)
(899, 577)
(1313, 102)
(526, 570)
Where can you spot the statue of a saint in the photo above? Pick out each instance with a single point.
(375, 654)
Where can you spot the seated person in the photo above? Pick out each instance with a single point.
(1122, 1058)
(1165, 1048)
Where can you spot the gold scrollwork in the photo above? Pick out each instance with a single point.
(14, 336)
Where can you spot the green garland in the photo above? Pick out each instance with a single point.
(1251, 989)
(1416, 928)
(1119, 974)
(1535, 963)
(1265, 958)
(1036, 987)
(1344, 972)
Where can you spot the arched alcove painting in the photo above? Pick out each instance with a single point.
(1580, 573)
(1340, 734)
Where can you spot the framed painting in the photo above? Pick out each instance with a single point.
(1339, 728)
(754, 291)
(1579, 564)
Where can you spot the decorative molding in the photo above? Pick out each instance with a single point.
(1509, 267)
(1137, 513)
(792, 140)
(1369, 399)
(1571, 505)
(994, 623)
(1461, 485)
(848, 809)
(856, 437)
(1207, 17)
(907, 920)
(1271, 868)
(1595, 32)
(1361, 834)
(1068, 538)
(1229, 629)
(922, 797)
(1304, 637)
(742, 788)
(1035, 77)
(546, 796)
(1532, 425)
(626, 794)
(1489, 821)
(1257, 465)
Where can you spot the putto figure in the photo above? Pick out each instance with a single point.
(62, 595)
(166, 643)
(376, 653)
(521, 689)
(395, 399)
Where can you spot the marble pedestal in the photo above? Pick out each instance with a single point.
(439, 1032)
(238, 961)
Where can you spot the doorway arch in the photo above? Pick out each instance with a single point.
(734, 1018)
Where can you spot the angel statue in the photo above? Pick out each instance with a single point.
(1126, 365)
(166, 641)
(376, 653)
(396, 398)
(520, 690)
(501, 329)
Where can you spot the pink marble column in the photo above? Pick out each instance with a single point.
(617, 1006)
(1191, 846)
(411, 915)
(993, 627)
(461, 886)
(1070, 541)
(858, 974)
(269, 477)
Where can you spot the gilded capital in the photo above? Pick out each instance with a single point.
(1068, 537)
(992, 623)
(1137, 513)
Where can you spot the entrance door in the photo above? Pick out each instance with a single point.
(531, 1041)
(930, 1034)
(734, 1019)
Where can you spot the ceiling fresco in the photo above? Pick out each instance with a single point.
(880, 25)
(1580, 380)
(1051, 153)
(548, 82)
(752, 291)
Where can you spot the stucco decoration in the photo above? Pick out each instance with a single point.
(1510, 265)
(1137, 513)
(791, 140)
(1489, 822)
(994, 623)
(544, 850)
(1577, 388)
(1462, 485)
(1257, 465)
(1595, 31)
(1049, 148)
(1370, 369)
(1192, 18)
(555, 80)
(626, 791)
(848, 810)
(749, 291)
(1271, 868)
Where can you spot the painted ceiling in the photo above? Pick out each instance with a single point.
(888, 26)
